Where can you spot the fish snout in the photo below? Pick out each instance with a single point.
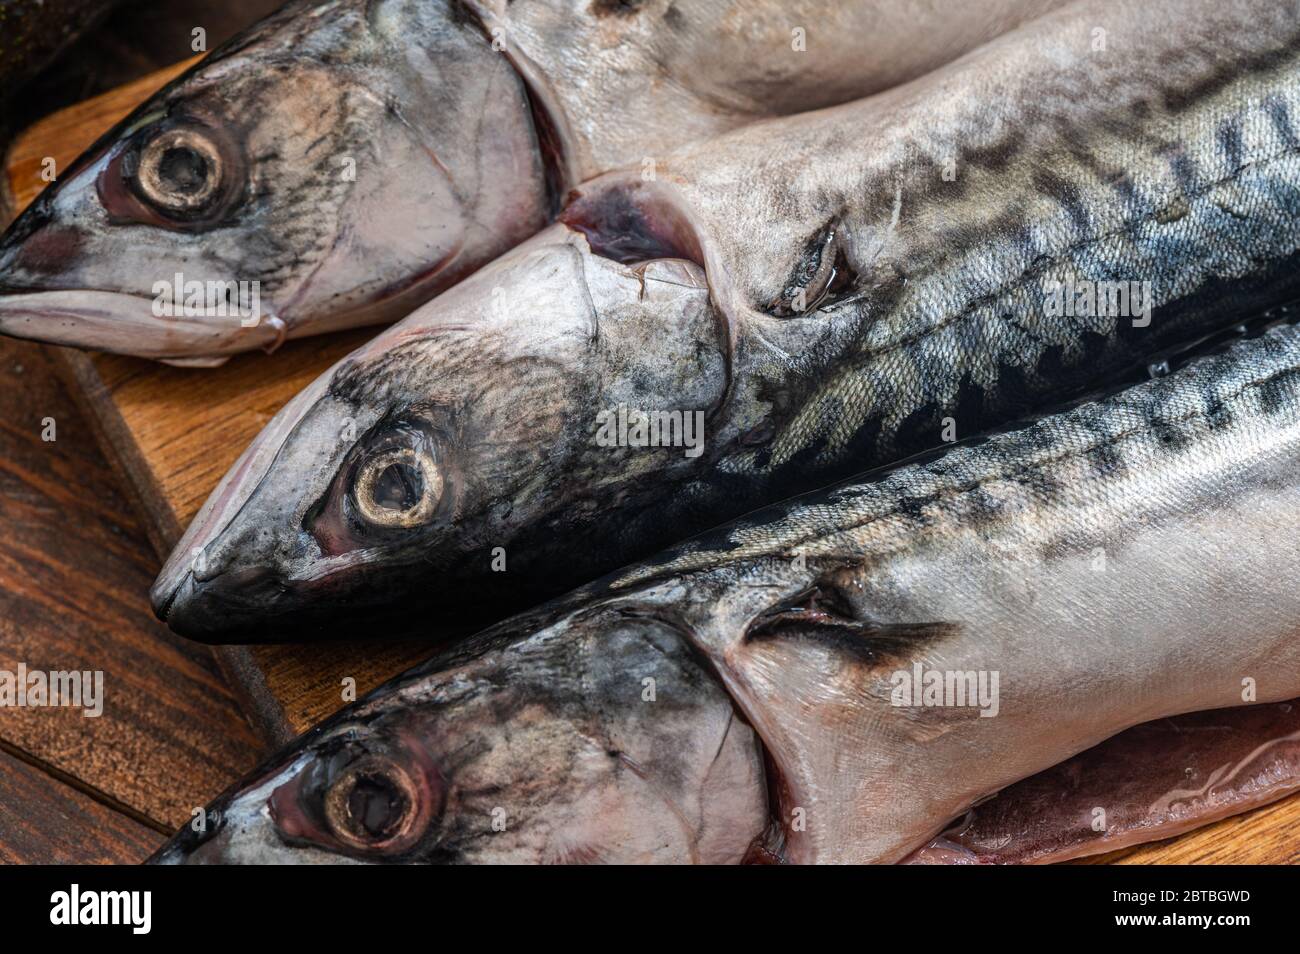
(126, 323)
(213, 603)
(10, 276)
(64, 281)
(186, 846)
(206, 838)
(236, 828)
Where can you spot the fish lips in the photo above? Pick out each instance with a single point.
(243, 604)
(224, 608)
(256, 605)
(125, 323)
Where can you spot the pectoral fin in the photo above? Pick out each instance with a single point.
(813, 676)
(821, 615)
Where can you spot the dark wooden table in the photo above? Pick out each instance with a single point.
(75, 568)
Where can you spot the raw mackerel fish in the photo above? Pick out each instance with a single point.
(486, 452)
(838, 677)
(354, 157)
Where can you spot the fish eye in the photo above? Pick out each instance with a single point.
(398, 479)
(373, 805)
(180, 172)
(398, 488)
(360, 794)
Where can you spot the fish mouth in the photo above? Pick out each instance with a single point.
(124, 323)
(162, 599)
(254, 604)
(222, 608)
(180, 849)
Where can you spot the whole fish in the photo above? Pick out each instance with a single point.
(344, 160)
(836, 678)
(781, 308)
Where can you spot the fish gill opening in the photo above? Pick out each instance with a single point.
(631, 224)
(550, 149)
(550, 141)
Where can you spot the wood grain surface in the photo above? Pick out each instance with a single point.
(45, 821)
(74, 565)
(173, 433)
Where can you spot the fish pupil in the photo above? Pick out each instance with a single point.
(376, 806)
(399, 487)
(183, 170)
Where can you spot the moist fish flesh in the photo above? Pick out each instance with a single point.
(836, 678)
(342, 161)
(1153, 781)
(783, 307)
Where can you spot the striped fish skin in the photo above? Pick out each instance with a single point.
(1177, 167)
(1125, 560)
(355, 157)
(981, 190)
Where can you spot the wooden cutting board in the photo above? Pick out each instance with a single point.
(174, 432)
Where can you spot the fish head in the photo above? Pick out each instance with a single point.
(597, 737)
(437, 469)
(305, 177)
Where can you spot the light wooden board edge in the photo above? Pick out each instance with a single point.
(238, 664)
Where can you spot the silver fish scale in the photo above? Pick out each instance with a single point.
(1216, 205)
(1217, 412)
